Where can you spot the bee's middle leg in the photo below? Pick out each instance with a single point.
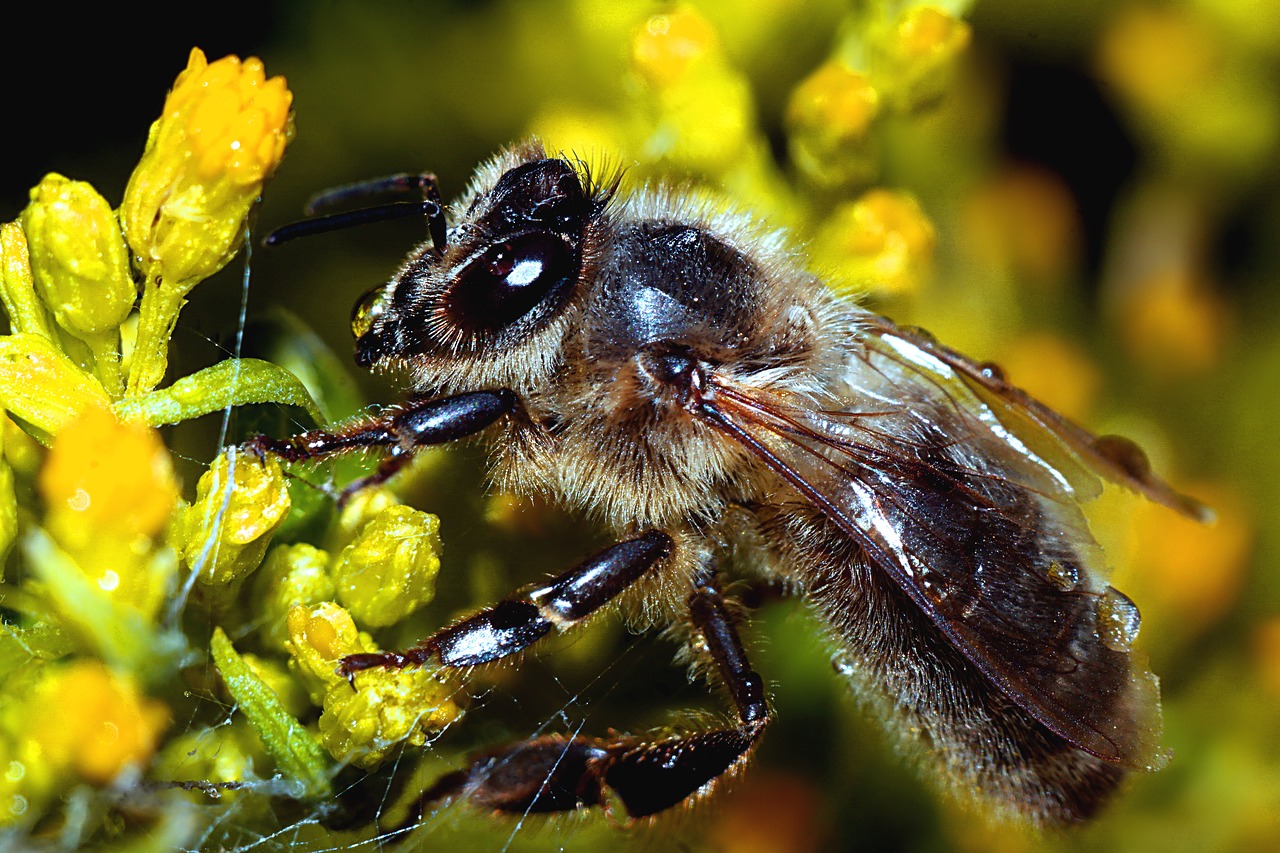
(516, 623)
(564, 773)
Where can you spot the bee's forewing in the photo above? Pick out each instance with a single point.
(1113, 457)
(984, 535)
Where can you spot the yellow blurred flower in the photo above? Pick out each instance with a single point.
(1157, 54)
(913, 60)
(222, 133)
(109, 489)
(1023, 220)
(1174, 323)
(1266, 653)
(102, 725)
(882, 243)
(1189, 573)
(1055, 371)
(829, 120)
(668, 45)
(105, 476)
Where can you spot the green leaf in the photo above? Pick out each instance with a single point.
(295, 751)
(233, 382)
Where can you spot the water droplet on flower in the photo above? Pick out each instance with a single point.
(1118, 620)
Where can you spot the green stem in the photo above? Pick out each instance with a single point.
(106, 362)
(157, 316)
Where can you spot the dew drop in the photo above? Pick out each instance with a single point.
(1065, 577)
(843, 665)
(920, 333)
(991, 370)
(1124, 454)
(1118, 620)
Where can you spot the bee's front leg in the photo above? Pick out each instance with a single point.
(402, 429)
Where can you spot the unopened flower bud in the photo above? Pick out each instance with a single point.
(389, 569)
(78, 257)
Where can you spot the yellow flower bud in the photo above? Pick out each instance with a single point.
(668, 45)
(17, 284)
(222, 133)
(41, 386)
(390, 707)
(107, 477)
(78, 257)
(389, 569)
(110, 488)
(913, 60)
(363, 507)
(882, 242)
(292, 575)
(320, 636)
(102, 725)
(240, 501)
(829, 120)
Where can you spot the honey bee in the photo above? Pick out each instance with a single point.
(673, 371)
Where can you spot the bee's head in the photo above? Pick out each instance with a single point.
(490, 306)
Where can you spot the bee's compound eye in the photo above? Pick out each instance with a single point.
(369, 308)
(510, 279)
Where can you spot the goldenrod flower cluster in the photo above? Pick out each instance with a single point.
(109, 563)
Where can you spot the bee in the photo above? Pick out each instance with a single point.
(673, 371)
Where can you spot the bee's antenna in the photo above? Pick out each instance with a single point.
(423, 183)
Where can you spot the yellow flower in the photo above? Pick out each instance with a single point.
(102, 724)
(389, 706)
(81, 266)
(109, 488)
(42, 386)
(882, 242)
(389, 569)
(17, 284)
(829, 119)
(224, 535)
(292, 575)
(319, 636)
(222, 133)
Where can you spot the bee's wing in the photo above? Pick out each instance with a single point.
(1116, 458)
(983, 534)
